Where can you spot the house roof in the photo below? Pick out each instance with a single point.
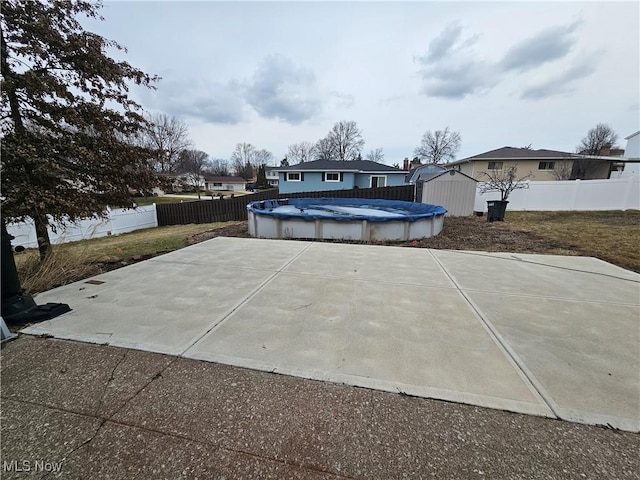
(632, 135)
(424, 170)
(359, 166)
(430, 176)
(511, 153)
(225, 179)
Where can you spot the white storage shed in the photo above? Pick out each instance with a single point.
(451, 189)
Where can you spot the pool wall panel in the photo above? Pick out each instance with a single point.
(264, 223)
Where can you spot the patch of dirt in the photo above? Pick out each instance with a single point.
(475, 233)
(236, 230)
(116, 262)
(458, 233)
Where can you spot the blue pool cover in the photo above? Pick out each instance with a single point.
(345, 209)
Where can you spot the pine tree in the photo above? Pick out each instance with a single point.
(67, 116)
(261, 179)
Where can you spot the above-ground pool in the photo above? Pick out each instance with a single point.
(344, 218)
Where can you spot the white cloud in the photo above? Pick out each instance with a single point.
(451, 69)
(559, 83)
(281, 90)
(199, 99)
(547, 45)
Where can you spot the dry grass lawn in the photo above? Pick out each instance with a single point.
(74, 261)
(613, 236)
(150, 241)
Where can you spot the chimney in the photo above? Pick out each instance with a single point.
(605, 151)
(617, 152)
(405, 164)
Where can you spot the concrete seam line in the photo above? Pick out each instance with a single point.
(371, 280)
(511, 355)
(560, 267)
(242, 302)
(548, 297)
(536, 408)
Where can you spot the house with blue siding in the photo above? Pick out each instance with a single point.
(323, 175)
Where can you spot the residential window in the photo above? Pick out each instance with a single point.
(293, 176)
(217, 184)
(546, 165)
(495, 166)
(378, 181)
(332, 177)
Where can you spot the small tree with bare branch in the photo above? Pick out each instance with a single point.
(504, 181)
(562, 170)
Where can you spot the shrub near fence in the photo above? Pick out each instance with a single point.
(230, 209)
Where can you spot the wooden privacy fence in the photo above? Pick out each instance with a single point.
(229, 209)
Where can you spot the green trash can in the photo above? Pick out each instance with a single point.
(496, 210)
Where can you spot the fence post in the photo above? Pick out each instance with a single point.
(574, 194)
(628, 202)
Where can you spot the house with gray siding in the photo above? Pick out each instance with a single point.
(323, 175)
(543, 165)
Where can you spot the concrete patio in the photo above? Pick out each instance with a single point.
(549, 337)
(556, 337)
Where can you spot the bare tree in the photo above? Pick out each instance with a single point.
(346, 140)
(218, 167)
(324, 149)
(300, 152)
(262, 157)
(602, 135)
(193, 163)
(167, 137)
(375, 155)
(562, 170)
(599, 137)
(244, 152)
(242, 160)
(504, 181)
(245, 171)
(440, 146)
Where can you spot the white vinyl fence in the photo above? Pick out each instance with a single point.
(118, 221)
(612, 194)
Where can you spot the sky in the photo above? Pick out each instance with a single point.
(277, 73)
